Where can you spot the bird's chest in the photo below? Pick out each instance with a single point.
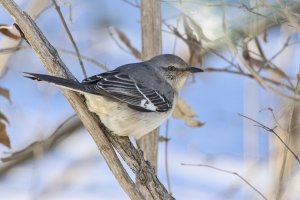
(121, 119)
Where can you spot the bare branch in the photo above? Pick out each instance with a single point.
(111, 34)
(128, 44)
(97, 130)
(72, 53)
(228, 172)
(166, 156)
(135, 4)
(60, 134)
(241, 73)
(287, 11)
(260, 80)
(57, 8)
(88, 59)
(54, 64)
(151, 46)
(272, 130)
(47, 143)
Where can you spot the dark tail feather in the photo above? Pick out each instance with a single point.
(60, 82)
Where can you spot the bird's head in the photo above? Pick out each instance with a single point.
(173, 69)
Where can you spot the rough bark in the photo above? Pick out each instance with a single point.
(151, 46)
(52, 62)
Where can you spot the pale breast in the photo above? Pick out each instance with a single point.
(121, 119)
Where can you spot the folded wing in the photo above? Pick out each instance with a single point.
(123, 88)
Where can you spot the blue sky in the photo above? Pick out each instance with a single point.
(38, 108)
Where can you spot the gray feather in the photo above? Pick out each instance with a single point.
(60, 82)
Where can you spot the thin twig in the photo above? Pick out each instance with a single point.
(273, 116)
(293, 20)
(135, 4)
(47, 142)
(111, 34)
(175, 38)
(241, 73)
(280, 50)
(166, 157)
(272, 130)
(53, 63)
(44, 10)
(262, 64)
(228, 172)
(57, 8)
(86, 58)
(125, 40)
(260, 80)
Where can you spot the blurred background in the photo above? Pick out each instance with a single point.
(250, 50)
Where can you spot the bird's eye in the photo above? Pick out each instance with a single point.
(171, 68)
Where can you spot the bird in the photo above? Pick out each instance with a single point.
(133, 99)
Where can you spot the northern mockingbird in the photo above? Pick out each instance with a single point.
(133, 99)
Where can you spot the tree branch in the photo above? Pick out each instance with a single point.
(272, 130)
(229, 172)
(151, 46)
(56, 67)
(57, 8)
(21, 156)
(52, 62)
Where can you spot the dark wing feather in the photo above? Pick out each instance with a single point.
(123, 88)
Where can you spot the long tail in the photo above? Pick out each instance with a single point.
(60, 82)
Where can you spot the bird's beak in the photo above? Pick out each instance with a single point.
(194, 69)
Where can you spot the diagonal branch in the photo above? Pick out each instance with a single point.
(102, 137)
(229, 172)
(57, 8)
(272, 130)
(55, 66)
(27, 153)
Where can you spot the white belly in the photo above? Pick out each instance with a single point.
(121, 119)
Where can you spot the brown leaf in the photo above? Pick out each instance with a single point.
(4, 92)
(265, 36)
(4, 29)
(193, 123)
(4, 139)
(127, 43)
(184, 111)
(185, 108)
(3, 117)
(246, 54)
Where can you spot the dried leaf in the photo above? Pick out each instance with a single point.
(3, 117)
(127, 43)
(4, 139)
(246, 54)
(4, 92)
(265, 36)
(193, 123)
(184, 111)
(194, 29)
(4, 29)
